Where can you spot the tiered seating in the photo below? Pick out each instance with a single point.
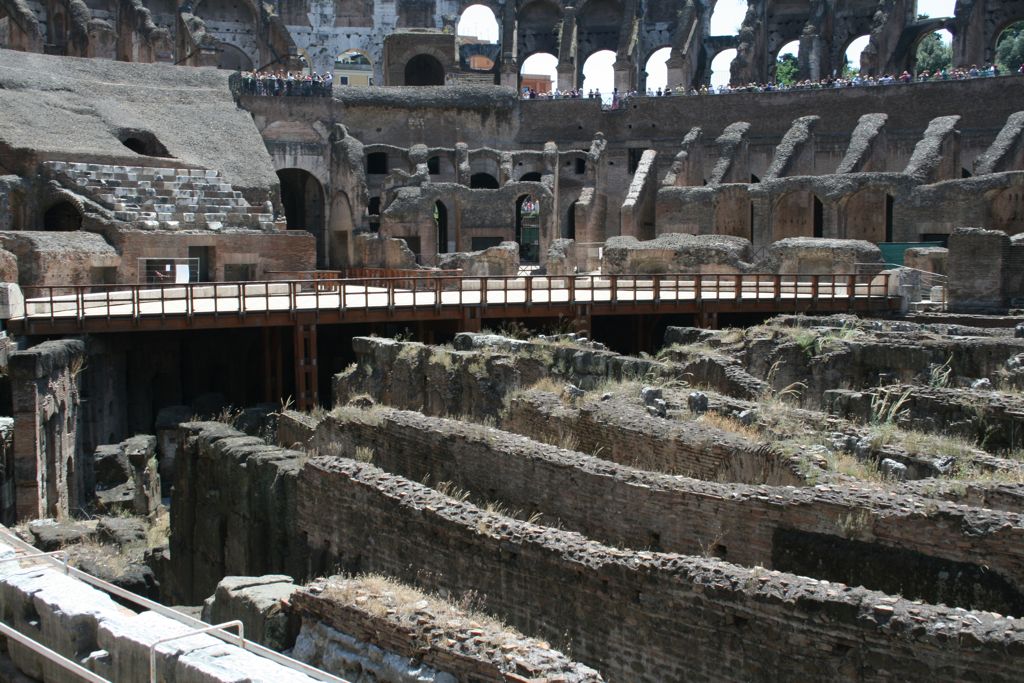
(163, 198)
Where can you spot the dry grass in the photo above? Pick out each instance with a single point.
(729, 424)
(386, 598)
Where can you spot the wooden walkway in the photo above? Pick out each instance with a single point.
(124, 308)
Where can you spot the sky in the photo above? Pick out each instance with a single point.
(478, 21)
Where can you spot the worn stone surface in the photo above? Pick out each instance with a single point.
(361, 626)
(261, 603)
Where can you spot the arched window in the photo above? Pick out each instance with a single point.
(720, 65)
(598, 74)
(62, 216)
(424, 70)
(787, 63)
(478, 22)
(353, 67)
(657, 72)
(1010, 48)
(934, 54)
(483, 181)
(851, 64)
(539, 72)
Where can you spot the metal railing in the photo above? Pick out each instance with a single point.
(30, 554)
(418, 292)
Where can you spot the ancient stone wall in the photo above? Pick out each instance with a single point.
(49, 463)
(243, 525)
(628, 507)
(742, 613)
(977, 263)
(373, 626)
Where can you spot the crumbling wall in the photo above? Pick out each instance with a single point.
(978, 261)
(610, 600)
(235, 501)
(676, 253)
(637, 213)
(49, 463)
(359, 627)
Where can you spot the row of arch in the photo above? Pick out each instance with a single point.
(538, 49)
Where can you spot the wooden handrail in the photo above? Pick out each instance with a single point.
(76, 301)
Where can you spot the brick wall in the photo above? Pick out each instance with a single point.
(864, 536)
(640, 616)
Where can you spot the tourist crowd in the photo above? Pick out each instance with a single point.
(289, 84)
(856, 81)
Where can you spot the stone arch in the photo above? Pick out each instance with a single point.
(471, 8)
(653, 62)
(907, 59)
(233, 58)
(353, 66)
(424, 69)
(797, 213)
(998, 33)
(595, 75)
(483, 181)
(62, 216)
(530, 177)
(535, 75)
(302, 197)
(867, 215)
(719, 62)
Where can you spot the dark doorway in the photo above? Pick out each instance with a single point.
(528, 229)
(434, 165)
(570, 222)
(819, 218)
(373, 209)
(303, 200)
(62, 216)
(441, 220)
(532, 176)
(202, 254)
(483, 181)
(143, 142)
(377, 163)
(424, 70)
(888, 217)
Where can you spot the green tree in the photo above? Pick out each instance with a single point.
(1010, 48)
(933, 55)
(786, 69)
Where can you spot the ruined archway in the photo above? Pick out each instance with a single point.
(530, 176)
(483, 181)
(424, 70)
(303, 199)
(528, 228)
(932, 53)
(797, 214)
(785, 69)
(232, 58)
(62, 217)
(867, 215)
